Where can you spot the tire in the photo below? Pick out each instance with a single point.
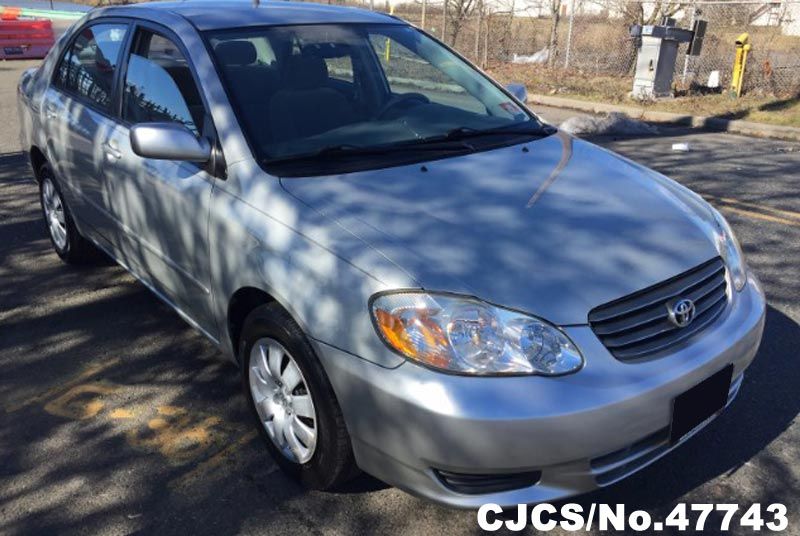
(64, 236)
(327, 464)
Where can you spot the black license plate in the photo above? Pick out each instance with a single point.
(13, 51)
(695, 406)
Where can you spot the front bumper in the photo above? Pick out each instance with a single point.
(582, 431)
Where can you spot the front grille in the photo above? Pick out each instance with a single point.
(638, 325)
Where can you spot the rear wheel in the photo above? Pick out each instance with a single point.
(293, 402)
(67, 241)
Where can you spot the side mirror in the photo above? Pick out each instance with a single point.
(169, 141)
(519, 91)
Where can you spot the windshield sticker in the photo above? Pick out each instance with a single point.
(510, 107)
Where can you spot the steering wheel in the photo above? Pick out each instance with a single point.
(399, 99)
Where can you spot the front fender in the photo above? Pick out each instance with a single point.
(321, 274)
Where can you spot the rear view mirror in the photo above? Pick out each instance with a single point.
(519, 91)
(169, 141)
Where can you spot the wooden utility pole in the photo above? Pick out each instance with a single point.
(478, 32)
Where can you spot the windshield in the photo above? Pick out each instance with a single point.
(339, 89)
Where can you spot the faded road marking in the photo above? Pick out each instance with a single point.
(178, 435)
(120, 414)
(181, 435)
(90, 371)
(80, 402)
(224, 457)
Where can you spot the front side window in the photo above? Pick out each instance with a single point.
(340, 89)
(159, 86)
(88, 66)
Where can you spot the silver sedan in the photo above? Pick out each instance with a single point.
(418, 277)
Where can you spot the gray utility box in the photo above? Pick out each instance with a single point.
(658, 52)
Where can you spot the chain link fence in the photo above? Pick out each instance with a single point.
(592, 36)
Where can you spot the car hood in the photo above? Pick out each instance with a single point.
(553, 227)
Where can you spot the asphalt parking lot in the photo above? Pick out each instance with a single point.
(118, 418)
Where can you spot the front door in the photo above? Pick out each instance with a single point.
(161, 206)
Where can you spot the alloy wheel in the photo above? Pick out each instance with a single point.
(54, 214)
(282, 400)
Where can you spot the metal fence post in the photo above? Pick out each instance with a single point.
(444, 21)
(478, 33)
(569, 32)
(686, 56)
(486, 43)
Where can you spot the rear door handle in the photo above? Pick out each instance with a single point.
(50, 111)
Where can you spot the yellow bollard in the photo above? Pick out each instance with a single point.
(739, 62)
(389, 41)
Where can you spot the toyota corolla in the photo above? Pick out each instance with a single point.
(417, 276)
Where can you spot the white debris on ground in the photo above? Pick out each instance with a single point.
(538, 57)
(680, 147)
(713, 80)
(613, 123)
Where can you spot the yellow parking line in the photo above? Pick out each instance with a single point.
(760, 216)
(785, 213)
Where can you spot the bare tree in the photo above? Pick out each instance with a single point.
(504, 13)
(552, 47)
(458, 12)
(638, 12)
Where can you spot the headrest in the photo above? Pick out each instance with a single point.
(230, 53)
(303, 71)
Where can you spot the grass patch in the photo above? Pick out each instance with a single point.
(775, 110)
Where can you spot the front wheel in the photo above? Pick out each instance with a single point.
(293, 402)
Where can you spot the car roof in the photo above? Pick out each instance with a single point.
(215, 15)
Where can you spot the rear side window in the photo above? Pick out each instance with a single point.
(159, 86)
(88, 66)
(340, 68)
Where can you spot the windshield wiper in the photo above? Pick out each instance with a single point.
(452, 140)
(345, 149)
(464, 133)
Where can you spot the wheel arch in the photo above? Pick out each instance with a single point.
(241, 304)
(37, 159)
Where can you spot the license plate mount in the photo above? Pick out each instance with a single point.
(695, 406)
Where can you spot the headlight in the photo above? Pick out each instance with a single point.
(467, 336)
(730, 251)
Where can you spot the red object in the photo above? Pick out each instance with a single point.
(10, 13)
(25, 39)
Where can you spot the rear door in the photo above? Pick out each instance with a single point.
(161, 207)
(78, 117)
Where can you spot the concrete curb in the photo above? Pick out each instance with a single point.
(734, 126)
